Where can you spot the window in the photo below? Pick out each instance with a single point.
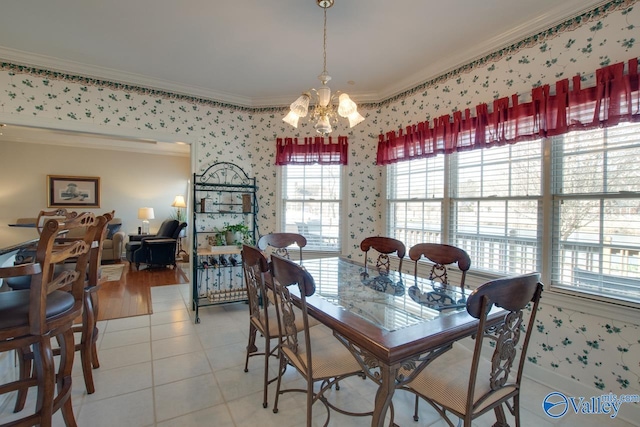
(415, 194)
(596, 211)
(495, 206)
(493, 203)
(312, 204)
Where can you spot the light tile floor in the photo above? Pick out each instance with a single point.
(163, 370)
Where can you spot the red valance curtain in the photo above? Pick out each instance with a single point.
(615, 98)
(313, 150)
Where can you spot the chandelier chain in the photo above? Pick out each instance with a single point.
(324, 45)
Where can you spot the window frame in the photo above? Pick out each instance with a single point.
(342, 203)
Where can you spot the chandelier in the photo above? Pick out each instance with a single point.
(324, 112)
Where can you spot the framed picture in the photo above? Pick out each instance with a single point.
(73, 191)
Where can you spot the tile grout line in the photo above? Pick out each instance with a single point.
(153, 377)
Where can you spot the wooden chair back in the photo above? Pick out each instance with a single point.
(441, 256)
(255, 267)
(509, 346)
(88, 330)
(95, 256)
(48, 255)
(59, 214)
(384, 246)
(280, 242)
(46, 279)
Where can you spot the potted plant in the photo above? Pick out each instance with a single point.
(237, 234)
(217, 239)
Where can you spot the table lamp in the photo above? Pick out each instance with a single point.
(179, 203)
(145, 214)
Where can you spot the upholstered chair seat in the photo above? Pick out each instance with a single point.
(15, 307)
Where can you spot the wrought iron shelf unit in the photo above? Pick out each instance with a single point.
(223, 195)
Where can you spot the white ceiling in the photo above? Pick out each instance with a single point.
(264, 53)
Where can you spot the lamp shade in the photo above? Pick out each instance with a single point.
(355, 118)
(323, 126)
(145, 213)
(300, 106)
(292, 118)
(346, 106)
(179, 202)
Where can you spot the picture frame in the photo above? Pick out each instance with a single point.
(73, 191)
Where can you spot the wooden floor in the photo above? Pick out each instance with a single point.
(131, 295)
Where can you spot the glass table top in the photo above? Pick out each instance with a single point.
(390, 301)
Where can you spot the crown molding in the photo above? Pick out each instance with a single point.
(515, 36)
(102, 73)
(548, 24)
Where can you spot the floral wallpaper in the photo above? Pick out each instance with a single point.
(598, 352)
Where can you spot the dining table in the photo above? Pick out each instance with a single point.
(394, 324)
(14, 237)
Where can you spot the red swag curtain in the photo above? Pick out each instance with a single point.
(313, 150)
(615, 98)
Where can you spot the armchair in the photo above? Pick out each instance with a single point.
(155, 249)
(113, 242)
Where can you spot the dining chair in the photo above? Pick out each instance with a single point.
(467, 384)
(384, 246)
(30, 317)
(324, 359)
(281, 242)
(441, 256)
(87, 328)
(262, 312)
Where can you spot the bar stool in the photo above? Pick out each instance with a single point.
(29, 318)
(87, 328)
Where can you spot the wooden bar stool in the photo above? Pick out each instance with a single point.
(87, 328)
(29, 318)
